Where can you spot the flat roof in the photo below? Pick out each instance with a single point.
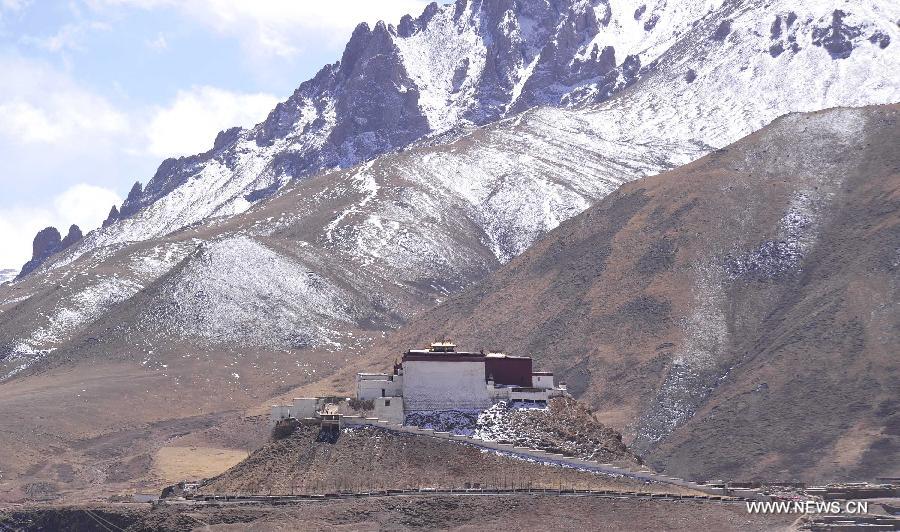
(503, 355)
(439, 354)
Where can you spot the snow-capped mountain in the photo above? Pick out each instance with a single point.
(457, 200)
(450, 69)
(474, 62)
(433, 153)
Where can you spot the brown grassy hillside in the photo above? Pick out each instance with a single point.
(737, 316)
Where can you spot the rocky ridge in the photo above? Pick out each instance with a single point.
(426, 221)
(49, 242)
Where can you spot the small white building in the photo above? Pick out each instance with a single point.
(389, 409)
(542, 380)
(300, 408)
(440, 378)
(372, 385)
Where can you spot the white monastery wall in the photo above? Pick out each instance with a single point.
(433, 385)
(280, 412)
(304, 407)
(542, 381)
(370, 386)
(389, 409)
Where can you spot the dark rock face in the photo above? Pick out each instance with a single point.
(722, 31)
(837, 38)
(48, 242)
(111, 217)
(651, 22)
(374, 113)
(690, 75)
(775, 30)
(783, 34)
(132, 202)
(263, 193)
(459, 76)
(883, 40)
(776, 49)
(639, 12)
(226, 138)
(631, 67)
(73, 236)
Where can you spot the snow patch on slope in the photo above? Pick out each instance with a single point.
(83, 307)
(439, 60)
(240, 291)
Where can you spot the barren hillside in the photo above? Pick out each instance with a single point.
(365, 459)
(736, 316)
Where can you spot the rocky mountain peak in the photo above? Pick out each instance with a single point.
(132, 202)
(47, 242)
(111, 217)
(468, 63)
(436, 76)
(74, 235)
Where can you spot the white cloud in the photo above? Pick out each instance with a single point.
(159, 44)
(86, 205)
(13, 5)
(10, 9)
(83, 205)
(42, 105)
(68, 37)
(281, 28)
(190, 124)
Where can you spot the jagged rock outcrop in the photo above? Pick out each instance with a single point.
(48, 242)
(453, 67)
(74, 235)
(111, 217)
(134, 201)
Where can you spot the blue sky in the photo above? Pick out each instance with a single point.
(94, 94)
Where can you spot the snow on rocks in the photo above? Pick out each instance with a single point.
(562, 426)
(434, 213)
(81, 308)
(238, 290)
